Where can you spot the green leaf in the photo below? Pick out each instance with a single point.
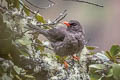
(115, 49)
(97, 66)
(92, 53)
(5, 77)
(17, 70)
(39, 18)
(38, 41)
(90, 47)
(107, 53)
(94, 76)
(18, 78)
(93, 69)
(41, 48)
(110, 73)
(24, 41)
(116, 71)
(24, 53)
(58, 57)
(29, 76)
(26, 10)
(101, 78)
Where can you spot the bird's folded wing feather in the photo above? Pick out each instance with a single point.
(56, 34)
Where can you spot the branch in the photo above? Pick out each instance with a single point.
(52, 4)
(86, 2)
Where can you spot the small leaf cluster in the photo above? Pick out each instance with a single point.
(107, 71)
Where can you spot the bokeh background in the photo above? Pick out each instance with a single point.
(102, 25)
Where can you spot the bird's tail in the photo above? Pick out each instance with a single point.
(38, 29)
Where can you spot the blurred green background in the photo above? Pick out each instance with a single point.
(101, 25)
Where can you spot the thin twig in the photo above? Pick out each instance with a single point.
(61, 16)
(52, 4)
(27, 7)
(86, 2)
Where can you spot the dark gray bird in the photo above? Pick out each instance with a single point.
(66, 40)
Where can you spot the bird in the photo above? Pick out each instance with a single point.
(71, 39)
(66, 40)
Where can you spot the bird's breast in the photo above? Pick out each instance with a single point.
(69, 46)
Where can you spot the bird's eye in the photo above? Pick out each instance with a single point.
(73, 24)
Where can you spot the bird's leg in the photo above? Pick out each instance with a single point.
(63, 61)
(65, 65)
(76, 58)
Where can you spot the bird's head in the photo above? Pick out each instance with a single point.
(73, 25)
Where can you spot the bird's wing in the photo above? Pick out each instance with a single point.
(56, 34)
(66, 47)
(80, 39)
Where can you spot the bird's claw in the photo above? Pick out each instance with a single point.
(65, 65)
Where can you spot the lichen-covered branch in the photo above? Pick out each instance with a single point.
(32, 58)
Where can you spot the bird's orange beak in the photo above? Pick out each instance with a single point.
(66, 23)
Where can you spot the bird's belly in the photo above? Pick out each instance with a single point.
(69, 46)
(65, 50)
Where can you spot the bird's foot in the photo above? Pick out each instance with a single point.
(76, 58)
(65, 65)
